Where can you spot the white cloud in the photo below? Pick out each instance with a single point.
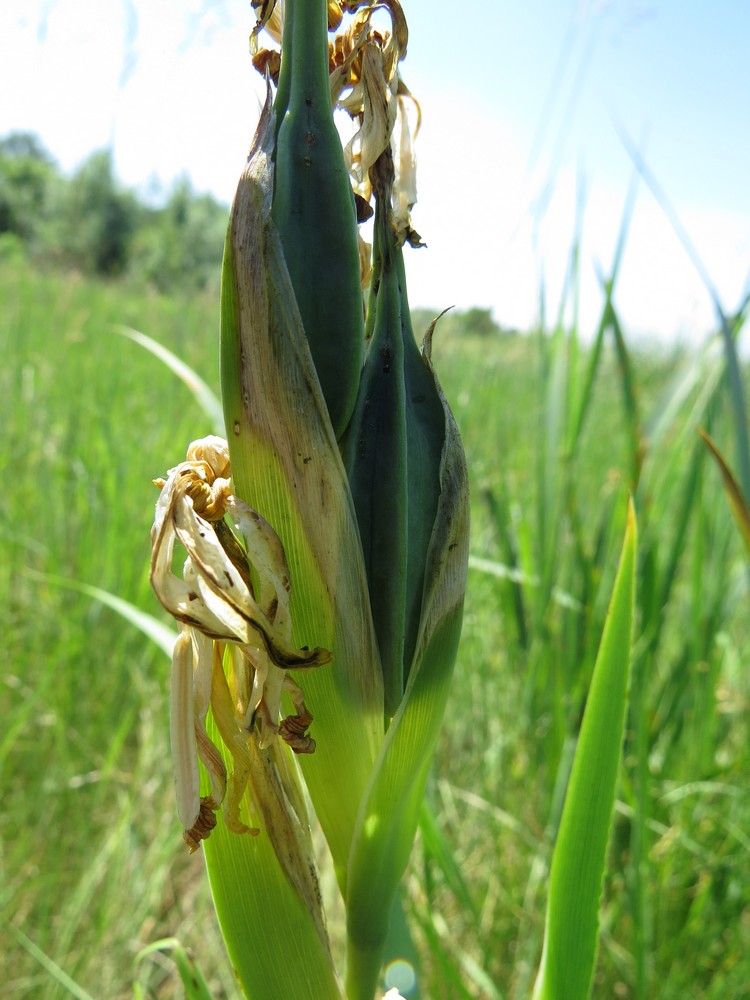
(192, 105)
(61, 69)
(489, 243)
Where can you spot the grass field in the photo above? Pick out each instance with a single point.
(92, 867)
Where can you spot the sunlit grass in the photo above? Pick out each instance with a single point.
(91, 862)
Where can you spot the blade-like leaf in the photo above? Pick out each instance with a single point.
(193, 980)
(571, 932)
(437, 849)
(737, 503)
(390, 811)
(51, 967)
(152, 628)
(204, 396)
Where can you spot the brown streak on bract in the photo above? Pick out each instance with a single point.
(234, 553)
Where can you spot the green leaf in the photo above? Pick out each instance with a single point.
(196, 987)
(390, 811)
(152, 628)
(204, 396)
(578, 863)
(437, 849)
(55, 972)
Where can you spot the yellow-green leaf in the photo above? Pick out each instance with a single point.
(737, 503)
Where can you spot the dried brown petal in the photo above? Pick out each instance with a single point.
(201, 829)
(268, 63)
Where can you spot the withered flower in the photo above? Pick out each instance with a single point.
(232, 601)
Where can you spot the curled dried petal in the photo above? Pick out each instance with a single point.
(225, 625)
(221, 603)
(202, 827)
(293, 730)
(268, 63)
(213, 451)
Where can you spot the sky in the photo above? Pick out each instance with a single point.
(532, 114)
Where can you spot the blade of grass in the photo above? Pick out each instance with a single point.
(59, 975)
(728, 328)
(450, 974)
(639, 836)
(204, 396)
(497, 502)
(571, 933)
(437, 849)
(594, 355)
(160, 634)
(196, 987)
(630, 401)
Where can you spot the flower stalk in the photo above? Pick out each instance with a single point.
(327, 542)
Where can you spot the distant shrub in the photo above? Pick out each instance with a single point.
(476, 321)
(94, 224)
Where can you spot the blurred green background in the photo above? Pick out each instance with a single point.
(92, 866)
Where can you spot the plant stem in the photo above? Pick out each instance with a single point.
(363, 970)
(304, 76)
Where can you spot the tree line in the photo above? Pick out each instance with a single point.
(91, 223)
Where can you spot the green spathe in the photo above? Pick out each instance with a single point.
(286, 464)
(271, 937)
(390, 810)
(392, 451)
(313, 210)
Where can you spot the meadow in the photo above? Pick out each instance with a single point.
(92, 866)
